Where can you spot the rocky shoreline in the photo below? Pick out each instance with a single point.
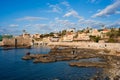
(74, 54)
(67, 54)
(89, 64)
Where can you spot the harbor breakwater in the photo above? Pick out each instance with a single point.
(90, 45)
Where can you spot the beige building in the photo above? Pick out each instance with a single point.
(82, 37)
(95, 32)
(69, 36)
(26, 35)
(46, 39)
(36, 36)
(104, 33)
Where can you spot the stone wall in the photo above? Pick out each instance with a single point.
(1, 43)
(20, 41)
(23, 41)
(8, 42)
(92, 45)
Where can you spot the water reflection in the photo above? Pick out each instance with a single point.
(18, 68)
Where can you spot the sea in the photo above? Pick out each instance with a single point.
(12, 67)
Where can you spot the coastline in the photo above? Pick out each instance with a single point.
(89, 45)
(109, 59)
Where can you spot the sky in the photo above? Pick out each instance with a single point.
(45, 16)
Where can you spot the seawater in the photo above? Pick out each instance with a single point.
(12, 67)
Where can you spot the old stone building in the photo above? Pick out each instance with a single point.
(17, 41)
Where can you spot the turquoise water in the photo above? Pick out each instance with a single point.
(12, 67)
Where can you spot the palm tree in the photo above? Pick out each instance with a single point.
(24, 31)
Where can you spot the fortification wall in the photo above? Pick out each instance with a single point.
(1, 43)
(92, 45)
(24, 41)
(20, 41)
(7, 42)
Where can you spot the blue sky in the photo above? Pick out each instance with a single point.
(44, 16)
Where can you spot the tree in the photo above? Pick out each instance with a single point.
(63, 32)
(80, 31)
(76, 35)
(94, 38)
(24, 31)
(111, 40)
(1, 37)
(7, 36)
(113, 35)
(119, 32)
(51, 34)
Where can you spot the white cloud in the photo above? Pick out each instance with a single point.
(30, 18)
(90, 23)
(13, 25)
(109, 10)
(28, 25)
(115, 24)
(61, 24)
(55, 8)
(37, 28)
(40, 25)
(36, 25)
(72, 13)
(65, 3)
(117, 12)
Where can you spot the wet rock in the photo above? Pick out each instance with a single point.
(112, 52)
(117, 77)
(44, 59)
(64, 54)
(27, 57)
(88, 64)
